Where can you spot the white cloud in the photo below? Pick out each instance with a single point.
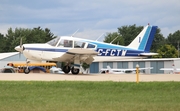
(92, 18)
(93, 34)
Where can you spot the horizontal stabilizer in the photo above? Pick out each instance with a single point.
(148, 54)
(170, 69)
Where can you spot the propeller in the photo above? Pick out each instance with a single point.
(20, 47)
(20, 43)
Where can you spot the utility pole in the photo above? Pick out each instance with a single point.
(178, 49)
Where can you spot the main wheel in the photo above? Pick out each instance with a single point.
(26, 70)
(66, 69)
(75, 71)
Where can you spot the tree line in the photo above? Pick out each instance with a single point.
(12, 38)
(166, 47)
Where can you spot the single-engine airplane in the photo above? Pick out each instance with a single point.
(123, 71)
(172, 70)
(77, 50)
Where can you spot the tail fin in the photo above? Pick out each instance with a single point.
(174, 68)
(109, 68)
(144, 40)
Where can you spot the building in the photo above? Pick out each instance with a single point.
(11, 57)
(131, 63)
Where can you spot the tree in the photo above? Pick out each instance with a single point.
(35, 35)
(85, 65)
(38, 35)
(128, 33)
(111, 37)
(174, 39)
(158, 41)
(10, 41)
(166, 51)
(2, 42)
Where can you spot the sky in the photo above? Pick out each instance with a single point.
(91, 18)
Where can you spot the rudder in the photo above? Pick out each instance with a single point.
(151, 38)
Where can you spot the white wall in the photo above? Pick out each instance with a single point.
(4, 63)
(147, 71)
(177, 63)
(168, 64)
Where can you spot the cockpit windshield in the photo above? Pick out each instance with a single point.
(54, 41)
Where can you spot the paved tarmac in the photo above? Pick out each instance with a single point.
(88, 77)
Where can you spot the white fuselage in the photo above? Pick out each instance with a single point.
(43, 54)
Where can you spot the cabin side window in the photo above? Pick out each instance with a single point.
(91, 46)
(79, 44)
(65, 43)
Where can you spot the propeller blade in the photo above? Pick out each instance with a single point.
(19, 54)
(20, 42)
(20, 47)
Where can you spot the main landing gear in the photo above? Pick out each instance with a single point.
(66, 69)
(73, 70)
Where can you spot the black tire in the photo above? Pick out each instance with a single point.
(26, 70)
(66, 69)
(75, 71)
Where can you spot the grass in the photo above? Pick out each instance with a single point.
(89, 96)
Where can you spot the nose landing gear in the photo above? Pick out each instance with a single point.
(26, 69)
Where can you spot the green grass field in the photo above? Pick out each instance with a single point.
(89, 96)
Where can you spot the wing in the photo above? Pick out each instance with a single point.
(145, 68)
(170, 69)
(148, 54)
(133, 69)
(167, 69)
(84, 55)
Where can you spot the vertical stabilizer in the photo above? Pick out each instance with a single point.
(174, 68)
(109, 68)
(144, 40)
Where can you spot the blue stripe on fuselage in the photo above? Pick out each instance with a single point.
(102, 51)
(107, 45)
(48, 49)
(117, 52)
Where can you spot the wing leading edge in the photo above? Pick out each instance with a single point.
(83, 55)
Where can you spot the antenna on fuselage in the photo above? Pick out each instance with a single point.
(100, 36)
(74, 33)
(117, 43)
(113, 40)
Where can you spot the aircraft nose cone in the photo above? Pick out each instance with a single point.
(18, 48)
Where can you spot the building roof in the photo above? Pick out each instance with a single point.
(149, 59)
(8, 54)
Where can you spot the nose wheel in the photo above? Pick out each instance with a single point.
(26, 70)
